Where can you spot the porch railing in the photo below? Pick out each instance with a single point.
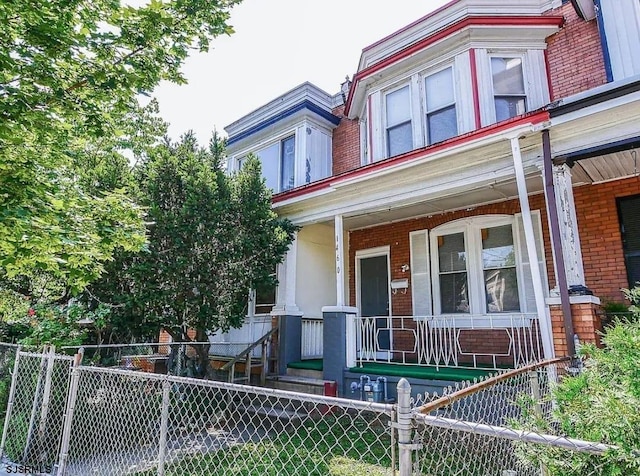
(312, 336)
(477, 341)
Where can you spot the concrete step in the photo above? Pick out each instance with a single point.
(314, 374)
(294, 383)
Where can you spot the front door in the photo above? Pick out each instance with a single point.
(374, 295)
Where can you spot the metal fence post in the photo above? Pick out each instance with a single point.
(164, 425)
(68, 416)
(47, 392)
(12, 395)
(404, 427)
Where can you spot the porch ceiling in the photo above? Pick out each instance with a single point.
(606, 167)
(468, 199)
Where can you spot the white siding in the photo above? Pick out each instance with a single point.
(622, 30)
(464, 93)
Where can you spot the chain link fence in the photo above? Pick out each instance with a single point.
(75, 419)
(493, 427)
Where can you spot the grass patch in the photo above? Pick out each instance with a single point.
(342, 446)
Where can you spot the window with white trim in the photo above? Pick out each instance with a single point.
(509, 93)
(440, 104)
(398, 121)
(477, 265)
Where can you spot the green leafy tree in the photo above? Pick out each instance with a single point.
(212, 238)
(70, 72)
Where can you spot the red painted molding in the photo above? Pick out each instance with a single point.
(551, 20)
(548, 73)
(475, 89)
(535, 117)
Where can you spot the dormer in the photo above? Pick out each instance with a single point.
(291, 136)
(465, 66)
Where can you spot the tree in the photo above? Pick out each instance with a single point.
(70, 73)
(212, 238)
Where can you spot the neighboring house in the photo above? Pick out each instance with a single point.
(471, 198)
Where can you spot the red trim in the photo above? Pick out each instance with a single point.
(536, 117)
(410, 25)
(451, 29)
(548, 72)
(474, 87)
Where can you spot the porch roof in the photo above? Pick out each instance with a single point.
(464, 172)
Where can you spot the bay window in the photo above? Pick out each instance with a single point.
(441, 117)
(452, 273)
(508, 87)
(398, 124)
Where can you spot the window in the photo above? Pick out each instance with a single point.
(278, 164)
(441, 118)
(508, 87)
(265, 299)
(452, 260)
(499, 268)
(630, 224)
(399, 129)
(477, 266)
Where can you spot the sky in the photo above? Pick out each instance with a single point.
(277, 45)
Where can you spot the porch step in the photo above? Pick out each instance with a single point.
(307, 373)
(294, 383)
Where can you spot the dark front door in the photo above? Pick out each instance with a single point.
(630, 224)
(374, 294)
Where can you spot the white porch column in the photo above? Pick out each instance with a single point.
(571, 250)
(286, 290)
(339, 234)
(544, 318)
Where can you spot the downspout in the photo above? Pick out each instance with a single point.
(554, 225)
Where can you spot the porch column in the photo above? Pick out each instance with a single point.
(287, 312)
(339, 234)
(339, 340)
(569, 237)
(543, 317)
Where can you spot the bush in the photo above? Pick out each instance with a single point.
(599, 405)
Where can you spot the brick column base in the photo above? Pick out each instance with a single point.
(587, 323)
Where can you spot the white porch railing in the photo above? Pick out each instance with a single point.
(312, 337)
(461, 340)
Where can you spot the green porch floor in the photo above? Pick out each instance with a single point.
(455, 374)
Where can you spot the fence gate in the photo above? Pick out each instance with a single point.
(34, 418)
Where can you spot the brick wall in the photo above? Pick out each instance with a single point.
(586, 324)
(346, 144)
(600, 236)
(574, 55)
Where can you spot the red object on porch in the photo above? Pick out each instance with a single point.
(330, 389)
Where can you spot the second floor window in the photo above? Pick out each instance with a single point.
(441, 120)
(399, 128)
(508, 87)
(278, 164)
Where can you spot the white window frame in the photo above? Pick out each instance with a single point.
(523, 64)
(387, 92)
(423, 99)
(471, 227)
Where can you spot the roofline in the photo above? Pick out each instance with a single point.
(546, 20)
(595, 96)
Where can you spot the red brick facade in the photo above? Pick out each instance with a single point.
(346, 144)
(586, 324)
(574, 55)
(599, 229)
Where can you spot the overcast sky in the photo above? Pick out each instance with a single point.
(277, 45)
